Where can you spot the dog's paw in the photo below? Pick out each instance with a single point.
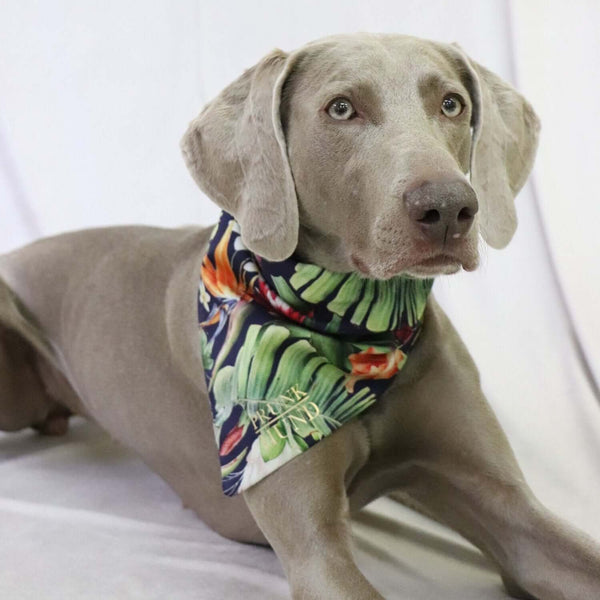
(54, 424)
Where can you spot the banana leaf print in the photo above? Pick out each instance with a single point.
(378, 305)
(259, 383)
(297, 368)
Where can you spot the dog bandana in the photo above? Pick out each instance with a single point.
(292, 351)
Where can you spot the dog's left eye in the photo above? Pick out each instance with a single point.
(341, 109)
(452, 106)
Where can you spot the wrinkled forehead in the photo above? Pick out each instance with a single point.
(388, 64)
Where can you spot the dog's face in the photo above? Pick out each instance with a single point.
(380, 154)
(379, 137)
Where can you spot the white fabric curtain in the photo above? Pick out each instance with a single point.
(94, 97)
(557, 52)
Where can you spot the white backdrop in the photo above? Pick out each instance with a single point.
(94, 97)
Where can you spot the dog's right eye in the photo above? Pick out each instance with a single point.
(341, 109)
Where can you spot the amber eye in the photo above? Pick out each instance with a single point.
(452, 106)
(341, 109)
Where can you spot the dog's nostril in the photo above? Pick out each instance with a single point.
(465, 214)
(430, 217)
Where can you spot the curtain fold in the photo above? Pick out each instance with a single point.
(19, 222)
(557, 53)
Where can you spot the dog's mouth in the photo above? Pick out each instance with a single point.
(429, 266)
(441, 264)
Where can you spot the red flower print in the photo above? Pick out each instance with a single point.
(404, 334)
(371, 364)
(231, 440)
(280, 305)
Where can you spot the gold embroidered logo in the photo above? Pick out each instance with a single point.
(294, 405)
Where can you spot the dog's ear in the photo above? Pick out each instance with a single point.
(505, 138)
(236, 152)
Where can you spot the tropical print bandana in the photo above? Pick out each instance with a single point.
(292, 351)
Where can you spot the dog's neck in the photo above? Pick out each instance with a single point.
(340, 304)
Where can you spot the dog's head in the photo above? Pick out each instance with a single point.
(381, 154)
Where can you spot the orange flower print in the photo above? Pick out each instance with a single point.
(370, 364)
(219, 279)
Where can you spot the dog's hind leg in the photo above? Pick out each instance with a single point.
(27, 376)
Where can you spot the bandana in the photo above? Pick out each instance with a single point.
(292, 351)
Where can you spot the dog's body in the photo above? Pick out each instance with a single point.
(103, 323)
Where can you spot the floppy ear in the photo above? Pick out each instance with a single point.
(236, 152)
(505, 138)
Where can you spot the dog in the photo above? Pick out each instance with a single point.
(380, 155)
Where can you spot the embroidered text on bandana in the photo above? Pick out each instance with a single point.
(292, 351)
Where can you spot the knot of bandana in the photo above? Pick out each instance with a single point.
(292, 351)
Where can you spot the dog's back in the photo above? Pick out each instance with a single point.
(46, 290)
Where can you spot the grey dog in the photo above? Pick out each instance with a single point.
(102, 323)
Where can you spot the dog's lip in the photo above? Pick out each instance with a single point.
(431, 265)
(440, 264)
(439, 260)
(360, 264)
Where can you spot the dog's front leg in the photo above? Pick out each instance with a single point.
(302, 508)
(460, 468)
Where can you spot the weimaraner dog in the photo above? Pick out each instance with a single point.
(377, 154)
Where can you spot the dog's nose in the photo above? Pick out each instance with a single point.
(442, 209)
